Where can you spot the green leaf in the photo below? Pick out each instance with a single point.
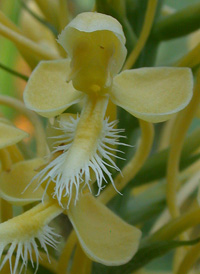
(147, 253)
(178, 24)
(146, 205)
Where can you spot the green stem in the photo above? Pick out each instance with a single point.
(18, 74)
(155, 166)
(104, 7)
(38, 18)
(178, 24)
(176, 227)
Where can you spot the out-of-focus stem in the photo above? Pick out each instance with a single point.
(26, 45)
(189, 260)
(80, 259)
(181, 126)
(191, 59)
(148, 22)
(177, 226)
(15, 73)
(6, 210)
(66, 253)
(63, 14)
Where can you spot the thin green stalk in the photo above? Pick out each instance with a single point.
(176, 227)
(15, 73)
(38, 18)
(104, 7)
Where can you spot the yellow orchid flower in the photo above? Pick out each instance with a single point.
(121, 240)
(94, 43)
(104, 237)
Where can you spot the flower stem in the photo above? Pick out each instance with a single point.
(6, 210)
(26, 45)
(15, 73)
(39, 130)
(189, 260)
(66, 253)
(148, 22)
(106, 7)
(134, 165)
(191, 59)
(179, 131)
(5, 158)
(80, 259)
(176, 227)
(63, 14)
(38, 18)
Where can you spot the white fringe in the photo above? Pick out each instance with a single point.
(99, 162)
(23, 249)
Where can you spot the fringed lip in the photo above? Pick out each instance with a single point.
(71, 175)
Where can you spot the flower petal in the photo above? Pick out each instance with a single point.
(47, 91)
(153, 94)
(14, 182)
(90, 27)
(10, 135)
(104, 237)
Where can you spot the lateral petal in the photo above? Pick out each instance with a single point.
(47, 91)
(153, 94)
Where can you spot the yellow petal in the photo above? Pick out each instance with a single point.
(14, 182)
(104, 237)
(47, 91)
(153, 94)
(10, 135)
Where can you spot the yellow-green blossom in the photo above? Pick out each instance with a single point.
(95, 44)
(104, 237)
(84, 148)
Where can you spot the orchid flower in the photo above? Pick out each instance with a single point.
(86, 145)
(95, 45)
(104, 237)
